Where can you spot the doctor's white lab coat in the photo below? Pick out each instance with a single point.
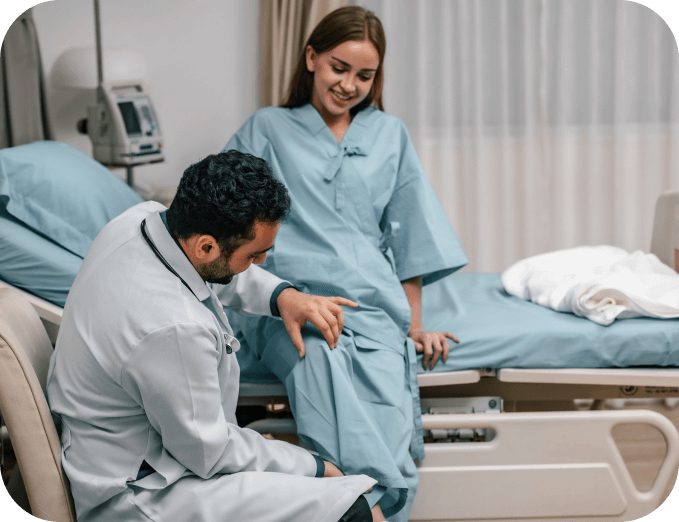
(144, 371)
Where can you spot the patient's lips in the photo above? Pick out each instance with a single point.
(342, 96)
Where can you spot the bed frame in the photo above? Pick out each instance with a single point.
(548, 462)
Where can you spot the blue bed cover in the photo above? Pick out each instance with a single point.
(497, 330)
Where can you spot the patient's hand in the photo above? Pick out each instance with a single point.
(433, 345)
(325, 313)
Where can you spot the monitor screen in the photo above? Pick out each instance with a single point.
(130, 117)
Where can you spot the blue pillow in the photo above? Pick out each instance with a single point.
(61, 192)
(35, 264)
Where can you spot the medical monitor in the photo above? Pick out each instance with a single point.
(123, 126)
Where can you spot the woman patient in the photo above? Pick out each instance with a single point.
(365, 224)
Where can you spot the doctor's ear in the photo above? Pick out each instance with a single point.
(310, 58)
(207, 248)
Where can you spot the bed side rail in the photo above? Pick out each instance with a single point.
(547, 465)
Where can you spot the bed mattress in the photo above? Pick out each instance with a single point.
(497, 330)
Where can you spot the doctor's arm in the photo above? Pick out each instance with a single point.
(249, 293)
(433, 345)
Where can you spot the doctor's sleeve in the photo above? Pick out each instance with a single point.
(416, 228)
(174, 374)
(249, 293)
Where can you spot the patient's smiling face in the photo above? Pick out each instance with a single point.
(343, 77)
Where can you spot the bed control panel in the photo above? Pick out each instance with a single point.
(665, 241)
(454, 405)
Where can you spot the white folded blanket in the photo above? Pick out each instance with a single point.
(601, 283)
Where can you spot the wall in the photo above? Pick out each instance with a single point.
(202, 72)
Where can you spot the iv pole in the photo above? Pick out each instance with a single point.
(100, 74)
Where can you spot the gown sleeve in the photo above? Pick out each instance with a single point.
(250, 137)
(174, 374)
(415, 228)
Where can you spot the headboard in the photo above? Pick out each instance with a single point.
(665, 241)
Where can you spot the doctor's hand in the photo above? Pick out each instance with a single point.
(331, 470)
(433, 345)
(325, 313)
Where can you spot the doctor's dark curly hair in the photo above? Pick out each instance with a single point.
(223, 195)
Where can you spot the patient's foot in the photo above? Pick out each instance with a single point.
(377, 513)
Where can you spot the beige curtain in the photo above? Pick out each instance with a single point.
(542, 124)
(286, 25)
(23, 109)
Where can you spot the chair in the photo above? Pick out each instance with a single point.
(25, 352)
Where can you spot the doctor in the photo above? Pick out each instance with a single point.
(144, 379)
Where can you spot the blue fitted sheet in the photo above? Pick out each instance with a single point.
(33, 263)
(497, 330)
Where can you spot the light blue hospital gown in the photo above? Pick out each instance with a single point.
(363, 219)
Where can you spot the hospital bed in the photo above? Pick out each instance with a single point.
(505, 438)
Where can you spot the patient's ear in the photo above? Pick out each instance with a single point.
(310, 58)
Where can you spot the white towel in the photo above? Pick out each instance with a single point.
(601, 283)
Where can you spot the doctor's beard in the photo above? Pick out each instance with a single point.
(218, 271)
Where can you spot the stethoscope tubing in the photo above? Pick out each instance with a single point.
(161, 258)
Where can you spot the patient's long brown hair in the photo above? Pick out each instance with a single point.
(345, 23)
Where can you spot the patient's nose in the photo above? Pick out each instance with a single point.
(348, 84)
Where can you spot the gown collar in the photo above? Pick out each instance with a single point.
(173, 254)
(313, 121)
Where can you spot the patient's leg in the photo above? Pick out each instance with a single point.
(351, 403)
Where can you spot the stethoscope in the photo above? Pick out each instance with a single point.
(162, 259)
(169, 267)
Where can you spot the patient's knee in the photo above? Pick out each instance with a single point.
(319, 356)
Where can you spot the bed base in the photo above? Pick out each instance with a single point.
(539, 466)
(536, 459)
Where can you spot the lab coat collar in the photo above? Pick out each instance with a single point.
(173, 254)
